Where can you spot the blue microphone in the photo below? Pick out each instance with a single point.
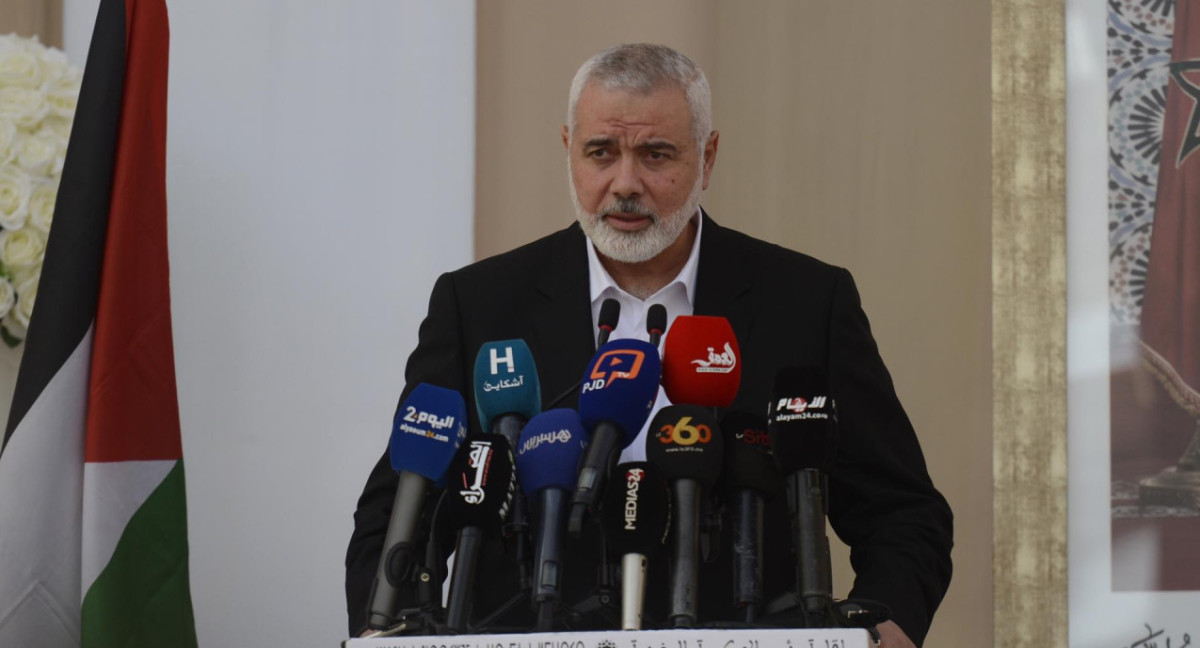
(618, 392)
(507, 392)
(547, 460)
(428, 428)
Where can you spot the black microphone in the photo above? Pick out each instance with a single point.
(637, 518)
(684, 441)
(656, 323)
(610, 313)
(802, 424)
(479, 492)
(750, 474)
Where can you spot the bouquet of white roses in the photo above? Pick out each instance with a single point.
(38, 91)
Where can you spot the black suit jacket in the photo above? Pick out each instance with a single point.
(786, 309)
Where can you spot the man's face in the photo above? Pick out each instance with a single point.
(636, 172)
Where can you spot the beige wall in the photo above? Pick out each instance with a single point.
(42, 18)
(857, 132)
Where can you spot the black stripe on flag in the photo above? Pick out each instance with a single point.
(70, 284)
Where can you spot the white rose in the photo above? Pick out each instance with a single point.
(36, 153)
(8, 137)
(15, 189)
(26, 294)
(41, 205)
(21, 249)
(24, 106)
(20, 66)
(63, 98)
(8, 296)
(55, 66)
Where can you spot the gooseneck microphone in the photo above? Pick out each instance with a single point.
(610, 313)
(637, 519)
(547, 460)
(429, 426)
(619, 388)
(479, 492)
(685, 443)
(802, 426)
(701, 361)
(749, 476)
(656, 323)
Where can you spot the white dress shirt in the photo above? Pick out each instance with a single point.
(678, 297)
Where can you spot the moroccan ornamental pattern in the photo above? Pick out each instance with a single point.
(1139, 51)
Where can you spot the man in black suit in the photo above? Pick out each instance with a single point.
(640, 152)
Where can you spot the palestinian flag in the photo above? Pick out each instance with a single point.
(93, 528)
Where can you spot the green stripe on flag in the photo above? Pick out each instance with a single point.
(142, 597)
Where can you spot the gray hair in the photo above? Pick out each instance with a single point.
(643, 68)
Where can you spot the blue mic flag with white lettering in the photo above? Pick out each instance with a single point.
(506, 382)
(429, 426)
(549, 450)
(620, 385)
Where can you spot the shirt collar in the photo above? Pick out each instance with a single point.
(601, 283)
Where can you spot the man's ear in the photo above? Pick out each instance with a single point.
(566, 135)
(710, 155)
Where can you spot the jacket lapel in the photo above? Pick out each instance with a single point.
(562, 318)
(723, 280)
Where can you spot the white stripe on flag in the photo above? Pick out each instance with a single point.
(112, 492)
(41, 484)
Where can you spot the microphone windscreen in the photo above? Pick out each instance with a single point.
(801, 419)
(506, 382)
(656, 319)
(610, 314)
(620, 386)
(549, 450)
(749, 462)
(637, 509)
(481, 482)
(428, 428)
(701, 361)
(685, 442)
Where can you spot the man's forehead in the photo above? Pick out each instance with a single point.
(662, 113)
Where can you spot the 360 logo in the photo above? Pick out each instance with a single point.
(684, 433)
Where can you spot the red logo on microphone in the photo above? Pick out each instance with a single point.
(723, 362)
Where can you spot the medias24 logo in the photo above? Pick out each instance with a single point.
(799, 404)
(633, 479)
(614, 365)
(717, 362)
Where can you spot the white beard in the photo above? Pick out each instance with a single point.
(641, 245)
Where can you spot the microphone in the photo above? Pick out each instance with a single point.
(637, 518)
(750, 474)
(802, 422)
(428, 427)
(507, 391)
(619, 388)
(656, 322)
(686, 444)
(610, 313)
(478, 494)
(701, 361)
(547, 461)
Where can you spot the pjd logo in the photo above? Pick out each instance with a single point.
(614, 365)
(799, 404)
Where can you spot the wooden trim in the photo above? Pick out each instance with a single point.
(1029, 278)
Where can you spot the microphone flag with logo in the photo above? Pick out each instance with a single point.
(479, 492)
(618, 392)
(685, 442)
(428, 428)
(701, 361)
(802, 419)
(506, 387)
(749, 461)
(637, 518)
(548, 457)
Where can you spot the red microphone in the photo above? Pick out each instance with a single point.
(701, 361)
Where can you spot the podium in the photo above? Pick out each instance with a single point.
(700, 638)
